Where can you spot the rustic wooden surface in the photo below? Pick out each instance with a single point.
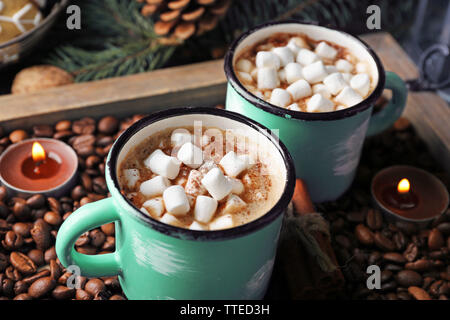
(204, 84)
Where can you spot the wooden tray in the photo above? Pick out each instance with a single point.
(204, 84)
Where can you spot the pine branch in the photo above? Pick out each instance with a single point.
(124, 43)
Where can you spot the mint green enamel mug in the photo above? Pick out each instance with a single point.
(326, 146)
(158, 261)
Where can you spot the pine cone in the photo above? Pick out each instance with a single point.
(184, 18)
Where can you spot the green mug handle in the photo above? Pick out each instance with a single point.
(386, 117)
(89, 216)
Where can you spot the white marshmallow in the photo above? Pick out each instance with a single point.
(190, 155)
(254, 74)
(267, 78)
(361, 67)
(206, 167)
(244, 65)
(326, 51)
(155, 186)
(234, 164)
(237, 187)
(234, 204)
(176, 201)
(284, 54)
(334, 83)
(180, 137)
(222, 222)
(293, 72)
(154, 206)
(160, 163)
(299, 42)
(280, 98)
(306, 57)
(293, 107)
(193, 184)
(245, 77)
(205, 208)
(131, 176)
(217, 184)
(347, 77)
(348, 97)
(282, 75)
(170, 219)
(322, 89)
(197, 226)
(318, 103)
(267, 59)
(331, 69)
(315, 72)
(344, 66)
(341, 107)
(361, 83)
(299, 89)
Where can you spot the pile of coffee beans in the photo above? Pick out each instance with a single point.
(414, 260)
(29, 267)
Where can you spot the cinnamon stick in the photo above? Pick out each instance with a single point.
(324, 280)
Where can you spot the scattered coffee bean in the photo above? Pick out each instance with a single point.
(22, 263)
(374, 219)
(43, 131)
(108, 125)
(435, 239)
(408, 278)
(383, 242)
(18, 135)
(41, 287)
(419, 293)
(364, 235)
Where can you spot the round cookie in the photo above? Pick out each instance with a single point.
(17, 17)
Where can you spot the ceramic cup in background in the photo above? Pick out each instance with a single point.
(326, 147)
(159, 261)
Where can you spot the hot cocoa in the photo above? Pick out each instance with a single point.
(298, 73)
(201, 180)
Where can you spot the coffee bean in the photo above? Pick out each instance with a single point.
(37, 256)
(18, 135)
(86, 181)
(356, 216)
(23, 296)
(41, 234)
(4, 211)
(21, 211)
(109, 244)
(43, 131)
(53, 218)
(3, 262)
(22, 228)
(54, 205)
(36, 201)
(50, 254)
(435, 239)
(84, 126)
(92, 161)
(85, 200)
(62, 135)
(55, 270)
(374, 219)
(388, 286)
(411, 253)
(7, 286)
(20, 287)
(82, 295)
(364, 235)
(41, 274)
(94, 286)
(22, 263)
(97, 238)
(104, 141)
(83, 240)
(108, 125)
(63, 125)
(383, 243)
(419, 265)
(89, 250)
(419, 293)
(394, 257)
(403, 296)
(99, 185)
(12, 241)
(63, 293)
(408, 278)
(406, 227)
(117, 297)
(444, 228)
(374, 258)
(41, 287)
(393, 267)
(108, 229)
(400, 240)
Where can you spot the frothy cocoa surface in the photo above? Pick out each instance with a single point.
(263, 181)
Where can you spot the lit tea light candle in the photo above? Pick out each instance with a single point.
(409, 193)
(46, 166)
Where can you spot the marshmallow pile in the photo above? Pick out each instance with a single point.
(208, 186)
(301, 78)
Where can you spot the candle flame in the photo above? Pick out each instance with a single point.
(37, 152)
(403, 186)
